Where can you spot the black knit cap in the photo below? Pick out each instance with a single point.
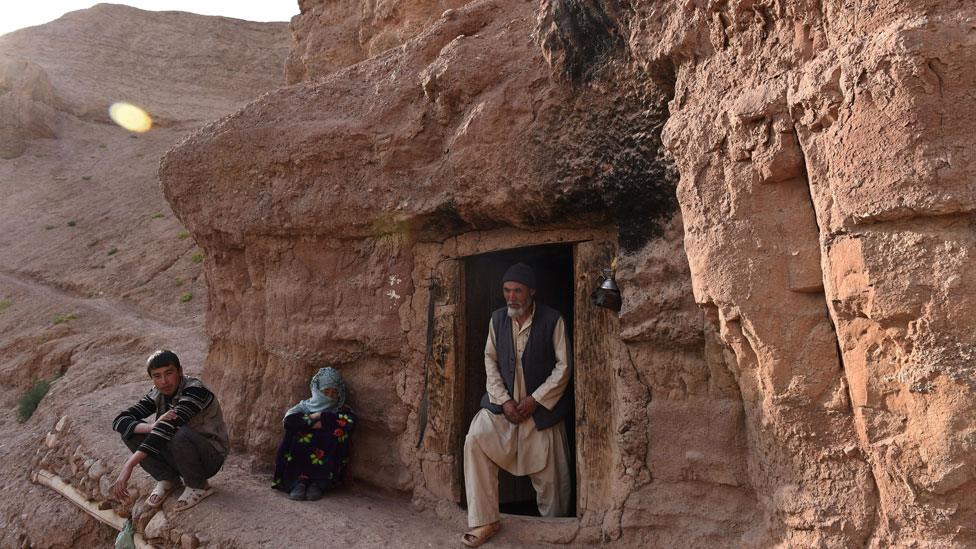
(520, 272)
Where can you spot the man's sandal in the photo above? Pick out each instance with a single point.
(191, 497)
(479, 535)
(159, 493)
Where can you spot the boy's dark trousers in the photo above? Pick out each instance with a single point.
(188, 455)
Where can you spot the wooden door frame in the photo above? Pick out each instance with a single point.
(446, 260)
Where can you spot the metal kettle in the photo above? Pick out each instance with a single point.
(607, 295)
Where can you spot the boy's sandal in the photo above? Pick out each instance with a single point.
(478, 536)
(191, 497)
(159, 493)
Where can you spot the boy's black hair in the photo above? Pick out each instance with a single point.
(161, 359)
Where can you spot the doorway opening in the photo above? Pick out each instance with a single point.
(553, 265)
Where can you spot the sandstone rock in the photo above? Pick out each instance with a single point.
(97, 469)
(28, 106)
(189, 541)
(157, 526)
(105, 486)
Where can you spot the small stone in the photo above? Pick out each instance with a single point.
(139, 508)
(105, 486)
(189, 541)
(52, 441)
(97, 469)
(61, 424)
(156, 526)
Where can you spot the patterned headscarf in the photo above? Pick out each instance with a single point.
(320, 402)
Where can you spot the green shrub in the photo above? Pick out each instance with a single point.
(158, 215)
(48, 227)
(186, 297)
(86, 178)
(72, 223)
(182, 235)
(62, 318)
(4, 305)
(113, 250)
(29, 401)
(196, 257)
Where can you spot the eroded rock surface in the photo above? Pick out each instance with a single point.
(793, 362)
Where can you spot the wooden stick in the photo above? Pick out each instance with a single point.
(105, 516)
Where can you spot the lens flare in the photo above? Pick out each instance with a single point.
(130, 117)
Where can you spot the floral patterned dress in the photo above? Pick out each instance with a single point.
(314, 455)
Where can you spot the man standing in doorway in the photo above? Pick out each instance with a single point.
(520, 427)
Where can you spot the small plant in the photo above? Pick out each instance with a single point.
(186, 297)
(72, 223)
(29, 401)
(4, 305)
(86, 178)
(178, 282)
(182, 235)
(196, 257)
(158, 215)
(102, 146)
(48, 227)
(62, 318)
(113, 250)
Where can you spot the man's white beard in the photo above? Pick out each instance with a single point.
(515, 312)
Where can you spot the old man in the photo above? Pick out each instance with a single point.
(520, 426)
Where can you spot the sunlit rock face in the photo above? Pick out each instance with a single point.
(794, 350)
(329, 35)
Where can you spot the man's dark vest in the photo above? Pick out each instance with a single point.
(538, 361)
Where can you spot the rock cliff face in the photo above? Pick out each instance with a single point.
(827, 189)
(793, 364)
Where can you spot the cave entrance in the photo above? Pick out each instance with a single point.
(553, 265)
(459, 283)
